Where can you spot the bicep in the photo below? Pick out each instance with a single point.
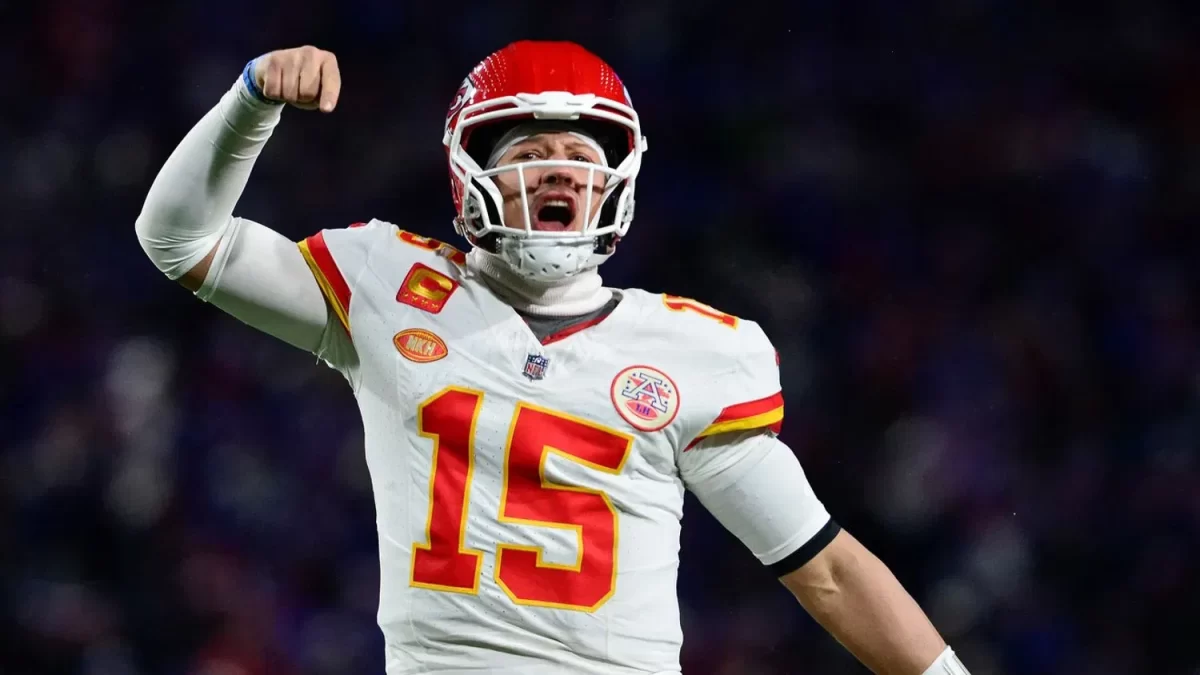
(754, 485)
(260, 277)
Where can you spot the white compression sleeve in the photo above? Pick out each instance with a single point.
(191, 202)
(257, 274)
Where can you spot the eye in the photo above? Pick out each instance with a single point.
(583, 158)
(527, 155)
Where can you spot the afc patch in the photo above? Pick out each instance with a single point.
(645, 397)
(426, 289)
(535, 366)
(420, 346)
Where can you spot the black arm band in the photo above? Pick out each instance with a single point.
(800, 557)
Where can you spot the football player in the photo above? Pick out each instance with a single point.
(529, 431)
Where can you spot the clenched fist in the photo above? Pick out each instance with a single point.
(306, 77)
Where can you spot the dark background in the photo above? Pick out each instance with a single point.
(968, 225)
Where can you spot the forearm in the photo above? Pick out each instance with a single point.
(192, 199)
(850, 592)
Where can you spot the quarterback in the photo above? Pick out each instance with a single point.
(529, 431)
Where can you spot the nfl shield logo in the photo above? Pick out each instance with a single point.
(535, 366)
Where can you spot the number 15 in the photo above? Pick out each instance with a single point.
(442, 561)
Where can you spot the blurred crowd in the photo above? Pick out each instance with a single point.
(968, 225)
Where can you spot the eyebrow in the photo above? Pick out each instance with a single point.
(573, 144)
(578, 144)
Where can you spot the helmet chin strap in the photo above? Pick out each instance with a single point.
(573, 295)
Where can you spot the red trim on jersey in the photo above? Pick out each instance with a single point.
(750, 408)
(768, 409)
(323, 259)
(571, 330)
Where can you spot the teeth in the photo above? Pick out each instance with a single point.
(558, 202)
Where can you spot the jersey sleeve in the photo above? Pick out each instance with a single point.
(749, 395)
(337, 259)
(754, 485)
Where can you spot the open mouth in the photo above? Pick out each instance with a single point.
(553, 213)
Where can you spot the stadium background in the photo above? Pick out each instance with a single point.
(970, 227)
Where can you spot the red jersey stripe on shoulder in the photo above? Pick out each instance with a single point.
(751, 408)
(358, 224)
(763, 413)
(329, 277)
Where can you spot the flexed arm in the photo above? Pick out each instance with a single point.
(187, 226)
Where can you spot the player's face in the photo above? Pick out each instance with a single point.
(557, 195)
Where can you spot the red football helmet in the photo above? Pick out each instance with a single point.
(553, 81)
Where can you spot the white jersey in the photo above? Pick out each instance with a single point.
(529, 493)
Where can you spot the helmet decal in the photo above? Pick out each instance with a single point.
(465, 93)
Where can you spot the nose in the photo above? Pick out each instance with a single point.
(560, 175)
